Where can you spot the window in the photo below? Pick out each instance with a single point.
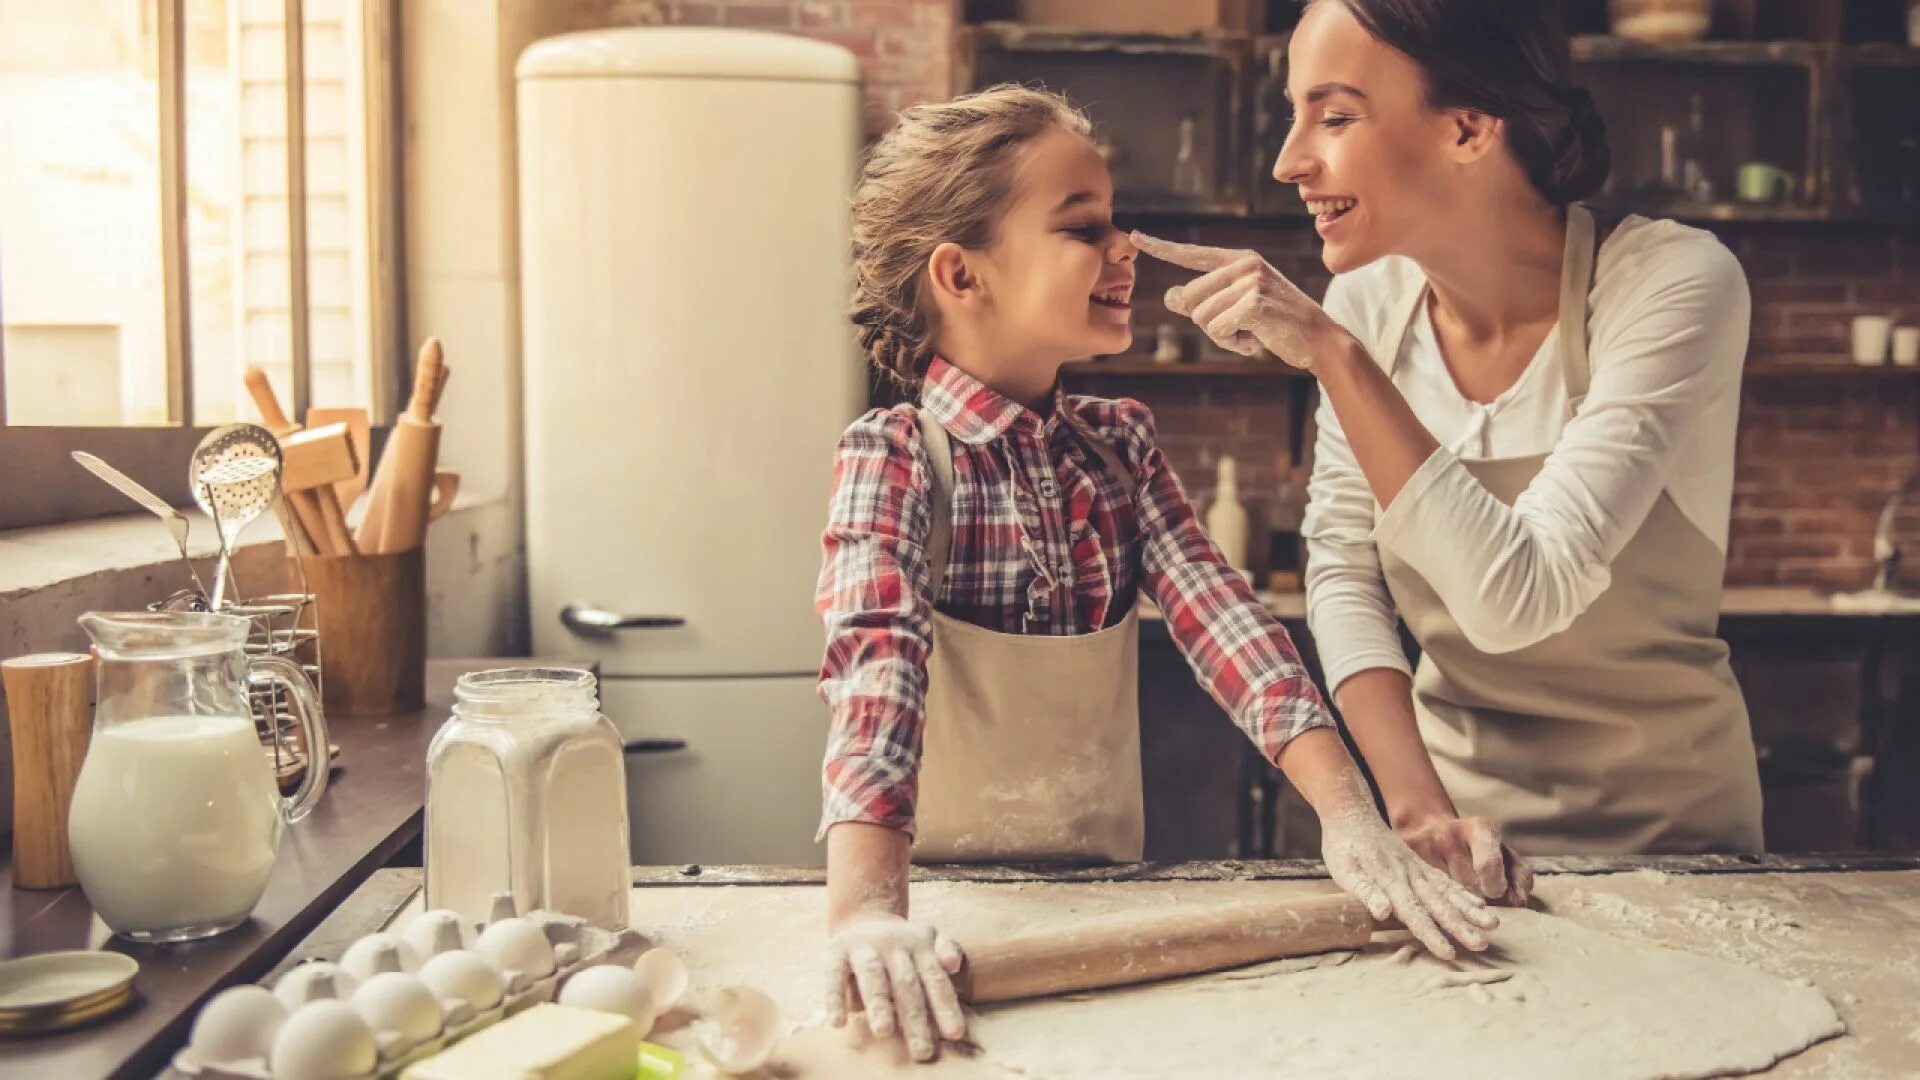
(190, 187)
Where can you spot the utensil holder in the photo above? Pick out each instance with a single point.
(373, 619)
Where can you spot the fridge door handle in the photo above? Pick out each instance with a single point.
(654, 746)
(587, 620)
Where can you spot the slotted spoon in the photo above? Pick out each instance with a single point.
(235, 474)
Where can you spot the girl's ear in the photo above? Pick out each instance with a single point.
(952, 279)
(1475, 133)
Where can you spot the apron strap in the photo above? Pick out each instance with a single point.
(1576, 285)
(939, 449)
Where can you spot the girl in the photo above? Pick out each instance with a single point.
(983, 554)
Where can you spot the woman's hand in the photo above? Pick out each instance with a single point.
(1368, 860)
(904, 973)
(1243, 303)
(1471, 852)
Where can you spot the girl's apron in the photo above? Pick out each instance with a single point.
(1625, 732)
(1031, 751)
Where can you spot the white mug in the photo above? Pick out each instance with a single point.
(1906, 346)
(1870, 334)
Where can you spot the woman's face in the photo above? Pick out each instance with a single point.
(1369, 156)
(1058, 275)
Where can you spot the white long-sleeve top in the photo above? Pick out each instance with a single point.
(1668, 321)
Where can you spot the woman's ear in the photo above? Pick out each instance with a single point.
(952, 279)
(1475, 133)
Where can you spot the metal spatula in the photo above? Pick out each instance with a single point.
(235, 474)
(175, 521)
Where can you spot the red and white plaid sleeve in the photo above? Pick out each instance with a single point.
(1241, 654)
(873, 598)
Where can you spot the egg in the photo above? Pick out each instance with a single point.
(737, 1028)
(313, 982)
(610, 988)
(376, 953)
(665, 978)
(239, 1023)
(462, 977)
(398, 1004)
(323, 1040)
(434, 932)
(516, 946)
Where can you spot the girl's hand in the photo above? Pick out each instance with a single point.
(1471, 852)
(1368, 860)
(904, 973)
(1243, 303)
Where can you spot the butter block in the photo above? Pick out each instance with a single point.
(547, 1042)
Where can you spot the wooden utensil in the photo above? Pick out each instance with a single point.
(48, 708)
(360, 433)
(315, 460)
(1121, 950)
(310, 522)
(402, 486)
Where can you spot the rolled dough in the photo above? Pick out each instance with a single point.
(1552, 999)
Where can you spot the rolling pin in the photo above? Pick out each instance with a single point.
(49, 698)
(403, 483)
(313, 461)
(1121, 950)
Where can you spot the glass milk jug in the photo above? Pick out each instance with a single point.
(176, 816)
(527, 795)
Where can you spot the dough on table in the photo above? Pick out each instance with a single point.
(1552, 998)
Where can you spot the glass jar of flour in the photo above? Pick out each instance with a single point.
(527, 795)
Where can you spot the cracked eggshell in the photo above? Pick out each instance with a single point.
(434, 932)
(238, 1024)
(738, 1027)
(403, 1004)
(516, 945)
(462, 976)
(380, 952)
(665, 977)
(610, 988)
(323, 1040)
(314, 982)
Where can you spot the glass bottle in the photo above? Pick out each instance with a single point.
(527, 796)
(1189, 179)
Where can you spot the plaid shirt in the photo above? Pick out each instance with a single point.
(1045, 541)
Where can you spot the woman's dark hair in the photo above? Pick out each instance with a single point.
(1508, 59)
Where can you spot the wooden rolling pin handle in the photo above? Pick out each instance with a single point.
(1123, 950)
(48, 707)
(429, 381)
(268, 403)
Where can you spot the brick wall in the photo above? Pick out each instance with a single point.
(905, 46)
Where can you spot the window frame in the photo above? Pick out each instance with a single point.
(42, 484)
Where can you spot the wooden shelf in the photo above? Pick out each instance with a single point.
(1020, 37)
(1132, 366)
(1607, 49)
(1837, 367)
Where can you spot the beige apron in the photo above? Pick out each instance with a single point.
(1625, 732)
(1031, 750)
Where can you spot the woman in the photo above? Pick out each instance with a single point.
(1526, 438)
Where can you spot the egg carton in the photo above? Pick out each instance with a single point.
(575, 945)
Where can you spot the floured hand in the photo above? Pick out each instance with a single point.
(1242, 303)
(903, 971)
(1370, 861)
(1471, 852)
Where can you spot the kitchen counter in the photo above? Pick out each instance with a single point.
(372, 809)
(1845, 924)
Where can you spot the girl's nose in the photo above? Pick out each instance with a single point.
(1122, 250)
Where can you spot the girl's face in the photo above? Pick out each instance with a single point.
(1376, 165)
(1058, 277)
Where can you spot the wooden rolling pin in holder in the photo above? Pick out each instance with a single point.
(49, 710)
(400, 499)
